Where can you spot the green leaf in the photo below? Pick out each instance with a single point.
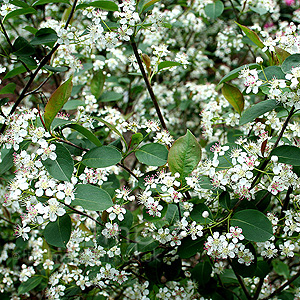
(73, 104)
(167, 64)
(196, 214)
(113, 128)
(92, 197)
(201, 272)
(262, 269)
(105, 5)
(19, 3)
(41, 2)
(22, 47)
(97, 84)
(189, 247)
(184, 155)
(148, 4)
(293, 61)
(44, 36)
(257, 110)
(260, 10)
(85, 132)
(102, 157)
(281, 268)
(252, 35)
(31, 29)
(287, 155)
(110, 96)
(17, 71)
(136, 138)
(29, 284)
(233, 95)
(20, 12)
(255, 225)
(152, 154)
(56, 69)
(235, 73)
(147, 243)
(271, 72)
(62, 167)
(172, 214)
(282, 55)
(8, 89)
(214, 10)
(58, 233)
(57, 101)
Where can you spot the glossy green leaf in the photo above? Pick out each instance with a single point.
(44, 36)
(184, 155)
(19, 3)
(259, 9)
(234, 96)
(214, 10)
(287, 155)
(8, 89)
(58, 233)
(201, 272)
(105, 5)
(22, 47)
(196, 214)
(293, 61)
(73, 104)
(42, 2)
(281, 268)
(252, 35)
(282, 55)
(235, 72)
(172, 214)
(262, 269)
(63, 166)
(271, 72)
(136, 138)
(167, 64)
(20, 12)
(147, 243)
(97, 84)
(255, 225)
(110, 96)
(92, 197)
(257, 110)
(29, 284)
(102, 157)
(152, 154)
(189, 247)
(17, 71)
(57, 101)
(85, 132)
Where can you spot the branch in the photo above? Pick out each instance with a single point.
(278, 290)
(149, 87)
(40, 66)
(241, 282)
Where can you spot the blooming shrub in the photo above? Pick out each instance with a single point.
(150, 150)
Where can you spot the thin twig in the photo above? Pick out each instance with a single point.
(241, 282)
(35, 90)
(149, 87)
(81, 213)
(8, 221)
(128, 170)
(278, 290)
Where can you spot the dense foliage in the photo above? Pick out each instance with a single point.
(150, 149)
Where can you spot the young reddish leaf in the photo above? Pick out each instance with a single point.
(234, 97)
(57, 101)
